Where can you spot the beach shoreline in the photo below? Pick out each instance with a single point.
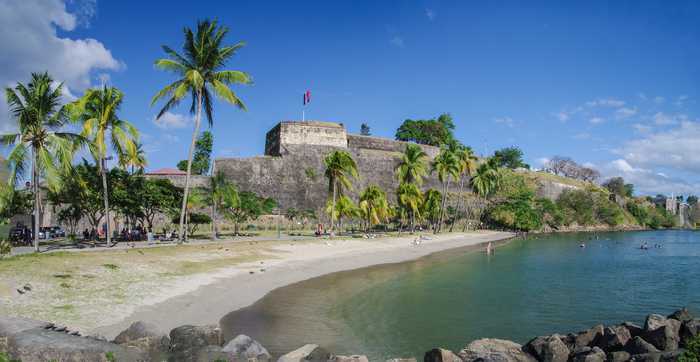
(205, 299)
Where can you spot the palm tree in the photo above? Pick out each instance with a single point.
(467, 163)
(410, 199)
(200, 74)
(413, 166)
(39, 115)
(447, 167)
(374, 206)
(340, 167)
(432, 206)
(102, 128)
(222, 192)
(135, 158)
(487, 178)
(344, 207)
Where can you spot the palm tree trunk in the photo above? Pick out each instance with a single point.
(37, 201)
(444, 203)
(333, 206)
(459, 198)
(197, 122)
(106, 201)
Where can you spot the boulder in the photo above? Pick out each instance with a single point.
(187, 341)
(663, 333)
(547, 349)
(639, 346)
(681, 315)
(309, 352)
(619, 356)
(211, 353)
(244, 348)
(689, 330)
(589, 337)
(588, 354)
(146, 337)
(490, 349)
(40, 344)
(353, 358)
(614, 338)
(634, 329)
(670, 356)
(441, 355)
(411, 359)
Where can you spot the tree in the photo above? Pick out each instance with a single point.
(432, 206)
(343, 207)
(692, 200)
(97, 111)
(374, 206)
(200, 72)
(486, 179)
(410, 199)
(413, 166)
(467, 163)
(510, 157)
(446, 165)
(617, 186)
(433, 132)
(340, 168)
(135, 158)
(40, 117)
(364, 130)
(202, 155)
(248, 207)
(221, 191)
(159, 196)
(565, 166)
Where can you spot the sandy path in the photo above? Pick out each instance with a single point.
(205, 299)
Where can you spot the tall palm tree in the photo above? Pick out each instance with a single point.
(340, 168)
(447, 167)
(487, 178)
(467, 163)
(432, 206)
(374, 206)
(413, 166)
(343, 207)
(410, 199)
(37, 109)
(135, 158)
(103, 129)
(200, 71)
(222, 192)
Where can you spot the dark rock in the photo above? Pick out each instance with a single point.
(639, 346)
(689, 330)
(40, 344)
(614, 338)
(489, 349)
(307, 353)
(666, 334)
(547, 349)
(634, 329)
(244, 348)
(587, 354)
(670, 356)
(619, 356)
(146, 337)
(441, 355)
(682, 315)
(353, 358)
(589, 337)
(187, 341)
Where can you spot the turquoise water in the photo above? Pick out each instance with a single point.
(529, 287)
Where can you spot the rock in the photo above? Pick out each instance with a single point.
(619, 356)
(41, 344)
(402, 360)
(639, 346)
(654, 321)
(689, 330)
(587, 354)
(309, 352)
(146, 337)
(670, 356)
(187, 341)
(12, 325)
(682, 315)
(589, 337)
(441, 355)
(244, 348)
(353, 358)
(211, 353)
(634, 329)
(489, 349)
(548, 349)
(614, 338)
(663, 334)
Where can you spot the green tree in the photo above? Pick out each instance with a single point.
(374, 206)
(340, 168)
(510, 157)
(467, 163)
(577, 205)
(159, 196)
(202, 155)
(432, 206)
(135, 158)
(249, 206)
(434, 132)
(343, 207)
(617, 186)
(692, 200)
(410, 199)
(446, 165)
(486, 179)
(221, 191)
(40, 117)
(413, 165)
(365, 130)
(200, 73)
(97, 111)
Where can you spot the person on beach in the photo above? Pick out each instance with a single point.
(489, 249)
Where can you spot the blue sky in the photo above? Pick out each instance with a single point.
(610, 84)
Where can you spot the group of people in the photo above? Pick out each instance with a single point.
(645, 246)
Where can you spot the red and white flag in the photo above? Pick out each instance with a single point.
(307, 97)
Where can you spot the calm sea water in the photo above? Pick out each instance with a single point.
(529, 287)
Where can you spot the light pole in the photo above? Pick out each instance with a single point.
(106, 200)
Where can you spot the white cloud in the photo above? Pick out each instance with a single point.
(430, 13)
(642, 128)
(397, 41)
(30, 43)
(505, 121)
(606, 102)
(663, 119)
(596, 120)
(647, 181)
(171, 120)
(625, 112)
(681, 100)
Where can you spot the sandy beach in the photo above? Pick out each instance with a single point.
(205, 299)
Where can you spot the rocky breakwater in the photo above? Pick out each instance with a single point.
(660, 339)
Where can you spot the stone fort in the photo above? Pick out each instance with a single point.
(292, 171)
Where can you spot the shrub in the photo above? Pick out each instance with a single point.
(550, 213)
(609, 213)
(692, 351)
(516, 214)
(577, 205)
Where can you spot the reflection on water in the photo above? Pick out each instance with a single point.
(530, 287)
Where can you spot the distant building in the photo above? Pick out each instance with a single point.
(672, 205)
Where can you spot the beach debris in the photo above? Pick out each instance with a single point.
(27, 287)
(20, 291)
(251, 272)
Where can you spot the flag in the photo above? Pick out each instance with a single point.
(307, 97)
